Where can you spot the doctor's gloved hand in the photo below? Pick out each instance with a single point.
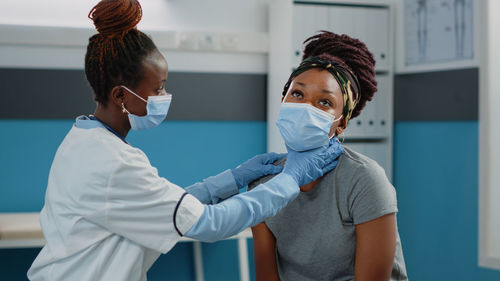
(258, 166)
(307, 166)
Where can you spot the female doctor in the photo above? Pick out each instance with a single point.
(107, 214)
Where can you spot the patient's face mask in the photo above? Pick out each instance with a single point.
(303, 126)
(157, 109)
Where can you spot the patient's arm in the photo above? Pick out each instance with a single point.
(375, 248)
(264, 249)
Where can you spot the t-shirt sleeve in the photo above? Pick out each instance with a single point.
(372, 195)
(140, 205)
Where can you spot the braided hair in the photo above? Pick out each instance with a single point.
(115, 54)
(351, 57)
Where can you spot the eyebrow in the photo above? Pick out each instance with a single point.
(325, 91)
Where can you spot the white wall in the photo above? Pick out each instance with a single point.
(247, 21)
(214, 15)
(489, 138)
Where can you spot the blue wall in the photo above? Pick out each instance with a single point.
(436, 178)
(435, 174)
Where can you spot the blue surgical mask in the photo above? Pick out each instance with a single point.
(303, 126)
(157, 109)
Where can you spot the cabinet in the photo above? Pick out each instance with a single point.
(374, 122)
(369, 24)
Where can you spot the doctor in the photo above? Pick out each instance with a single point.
(107, 214)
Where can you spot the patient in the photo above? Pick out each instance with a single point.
(343, 225)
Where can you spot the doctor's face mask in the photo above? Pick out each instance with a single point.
(156, 107)
(310, 111)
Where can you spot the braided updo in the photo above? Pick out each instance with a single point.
(115, 54)
(350, 53)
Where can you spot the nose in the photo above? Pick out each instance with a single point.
(309, 102)
(163, 92)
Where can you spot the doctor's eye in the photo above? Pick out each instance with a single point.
(161, 90)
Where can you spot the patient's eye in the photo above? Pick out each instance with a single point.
(326, 103)
(297, 94)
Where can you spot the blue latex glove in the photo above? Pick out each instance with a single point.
(307, 166)
(213, 190)
(258, 166)
(246, 209)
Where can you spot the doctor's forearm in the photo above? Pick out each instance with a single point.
(244, 210)
(214, 189)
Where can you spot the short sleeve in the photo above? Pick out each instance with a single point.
(372, 196)
(140, 205)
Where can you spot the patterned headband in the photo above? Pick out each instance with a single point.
(349, 84)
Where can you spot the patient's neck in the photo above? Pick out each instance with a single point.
(310, 186)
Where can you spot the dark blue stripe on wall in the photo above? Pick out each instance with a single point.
(437, 96)
(217, 96)
(44, 94)
(64, 94)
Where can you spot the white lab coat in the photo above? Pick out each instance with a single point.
(107, 214)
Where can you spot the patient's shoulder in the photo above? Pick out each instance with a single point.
(355, 164)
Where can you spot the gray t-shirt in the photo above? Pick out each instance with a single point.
(315, 233)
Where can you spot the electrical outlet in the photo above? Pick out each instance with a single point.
(187, 41)
(229, 42)
(207, 41)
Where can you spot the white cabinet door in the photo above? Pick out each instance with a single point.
(356, 127)
(307, 21)
(370, 25)
(382, 105)
(374, 120)
(378, 151)
(376, 112)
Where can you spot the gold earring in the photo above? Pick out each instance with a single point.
(123, 108)
(343, 136)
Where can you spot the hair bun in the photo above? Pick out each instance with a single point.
(114, 18)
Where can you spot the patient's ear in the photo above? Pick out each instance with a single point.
(340, 128)
(339, 131)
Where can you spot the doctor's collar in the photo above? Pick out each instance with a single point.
(90, 122)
